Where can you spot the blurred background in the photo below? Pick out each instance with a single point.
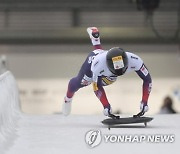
(44, 43)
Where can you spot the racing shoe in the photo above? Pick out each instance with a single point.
(66, 108)
(94, 35)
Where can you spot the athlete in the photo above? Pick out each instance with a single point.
(101, 68)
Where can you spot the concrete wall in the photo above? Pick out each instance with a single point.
(61, 61)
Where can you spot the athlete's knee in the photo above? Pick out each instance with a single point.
(85, 81)
(74, 84)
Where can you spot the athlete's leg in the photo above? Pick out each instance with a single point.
(81, 80)
(76, 83)
(73, 86)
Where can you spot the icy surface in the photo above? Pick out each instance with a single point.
(56, 134)
(9, 109)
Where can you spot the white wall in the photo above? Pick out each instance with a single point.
(46, 96)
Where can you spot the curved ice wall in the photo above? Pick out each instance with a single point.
(9, 108)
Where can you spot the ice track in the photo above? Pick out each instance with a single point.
(56, 134)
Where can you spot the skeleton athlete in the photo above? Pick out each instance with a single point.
(101, 68)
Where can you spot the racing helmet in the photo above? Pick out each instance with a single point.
(117, 61)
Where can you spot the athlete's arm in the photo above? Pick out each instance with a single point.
(137, 64)
(100, 93)
(97, 67)
(147, 83)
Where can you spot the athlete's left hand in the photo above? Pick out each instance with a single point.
(107, 111)
(143, 108)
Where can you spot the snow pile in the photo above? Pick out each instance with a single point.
(9, 109)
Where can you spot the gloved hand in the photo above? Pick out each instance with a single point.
(108, 112)
(143, 108)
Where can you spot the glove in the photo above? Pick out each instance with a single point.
(143, 108)
(107, 111)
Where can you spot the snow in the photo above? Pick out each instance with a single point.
(56, 134)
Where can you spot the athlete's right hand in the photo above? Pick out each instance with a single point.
(107, 111)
